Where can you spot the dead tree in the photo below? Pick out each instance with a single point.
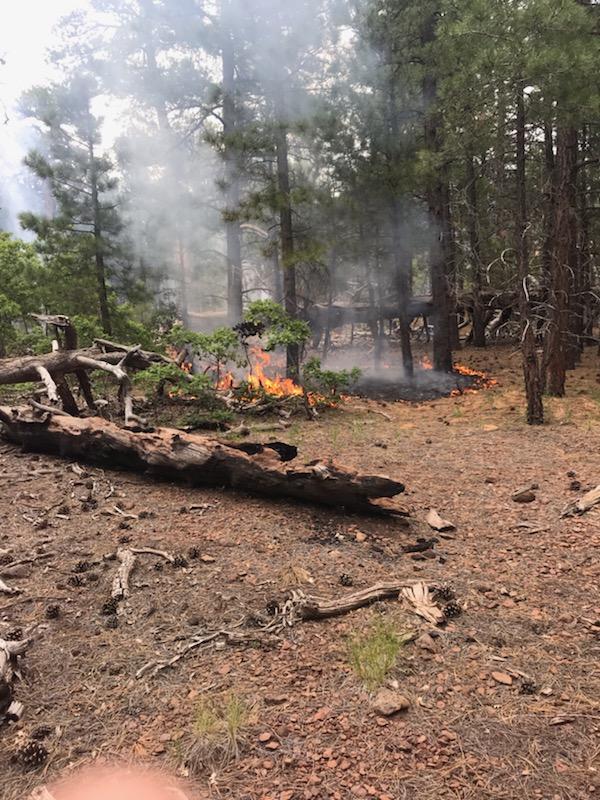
(198, 460)
(52, 369)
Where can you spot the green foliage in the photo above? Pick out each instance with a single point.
(281, 329)
(22, 279)
(158, 377)
(374, 654)
(215, 349)
(326, 381)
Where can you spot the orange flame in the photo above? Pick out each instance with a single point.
(258, 381)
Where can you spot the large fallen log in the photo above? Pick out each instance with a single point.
(199, 460)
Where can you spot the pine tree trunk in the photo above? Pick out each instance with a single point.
(562, 256)
(438, 197)
(479, 312)
(235, 309)
(401, 256)
(99, 245)
(286, 230)
(532, 372)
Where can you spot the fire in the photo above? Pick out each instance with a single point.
(256, 380)
(482, 381)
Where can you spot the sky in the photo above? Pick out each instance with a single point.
(26, 32)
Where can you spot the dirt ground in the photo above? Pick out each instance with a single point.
(527, 580)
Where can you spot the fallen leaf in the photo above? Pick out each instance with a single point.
(503, 678)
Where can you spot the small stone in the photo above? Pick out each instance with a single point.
(360, 536)
(503, 678)
(524, 496)
(264, 736)
(206, 559)
(389, 702)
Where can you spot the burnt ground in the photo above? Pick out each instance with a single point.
(528, 581)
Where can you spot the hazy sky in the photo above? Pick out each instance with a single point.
(25, 34)
(26, 31)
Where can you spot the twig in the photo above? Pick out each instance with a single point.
(5, 589)
(152, 552)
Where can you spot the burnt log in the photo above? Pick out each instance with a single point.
(198, 460)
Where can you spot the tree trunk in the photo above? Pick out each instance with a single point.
(438, 198)
(479, 311)
(235, 309)
(532, 372)
(562, 255)
(200, 460)
(99, 245)
(400, 253)
(287, 232)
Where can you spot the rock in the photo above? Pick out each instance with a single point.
(503, 678)
(206, 559)
(526, 495)
(360, 536)
(426, 642)
(389, 702)
(264, 737)
(436, 522)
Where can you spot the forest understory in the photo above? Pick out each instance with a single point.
(502, 700)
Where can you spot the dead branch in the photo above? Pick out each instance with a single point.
(583, 504)
(4, 589)
(300, 606)
(120, 587)
(9, 655)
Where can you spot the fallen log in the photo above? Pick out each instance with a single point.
(199, 460)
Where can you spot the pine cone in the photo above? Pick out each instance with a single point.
(42, 732)
(81, 566)
(180, 560)
(444, 593)
(528, 687)
(272, 607)
(112, 622)
(15, 635)
(158, 566)
(110, 607)
(76, 580)
(193, 553)
(52, 611)
(452, 609)
(5, 558)
(32, 755)
(346, 580)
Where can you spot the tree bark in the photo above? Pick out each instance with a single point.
(99, 244)
(532, 371)
(438, 198)
(200, 460)
(479, 311)
(563, 249)
(235, 309)
(286, 231)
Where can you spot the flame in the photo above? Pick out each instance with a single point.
(257, 381)
(482, 381)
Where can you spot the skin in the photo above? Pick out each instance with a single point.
(117, 784)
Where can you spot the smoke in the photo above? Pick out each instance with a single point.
(298, 65)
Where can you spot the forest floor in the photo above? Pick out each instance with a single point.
(527, 579)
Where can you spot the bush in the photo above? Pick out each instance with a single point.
(326, 381)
